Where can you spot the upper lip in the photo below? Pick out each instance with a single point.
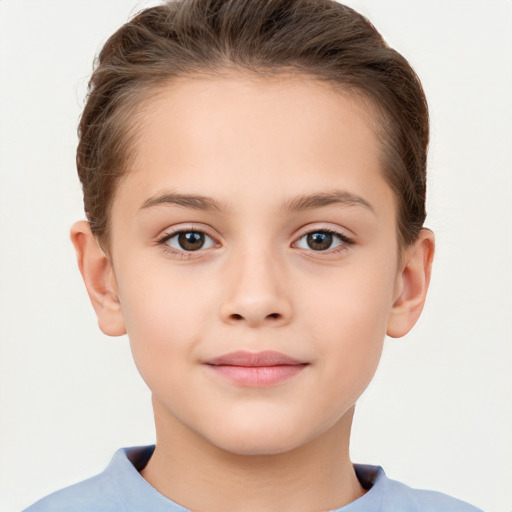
(254, 359)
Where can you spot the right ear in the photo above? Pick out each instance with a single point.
(98, 275)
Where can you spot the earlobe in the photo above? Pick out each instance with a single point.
(412, 285)
(99, 279)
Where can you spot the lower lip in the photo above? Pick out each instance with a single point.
(257, 376)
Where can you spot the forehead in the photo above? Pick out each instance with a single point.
(228, 134)
(245, 104)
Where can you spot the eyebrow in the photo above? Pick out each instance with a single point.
(337, 197)
(195, 202)
(296, 204)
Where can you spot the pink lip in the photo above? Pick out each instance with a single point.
(258, 369)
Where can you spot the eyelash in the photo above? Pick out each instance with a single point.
(344, 240)
(183, 253)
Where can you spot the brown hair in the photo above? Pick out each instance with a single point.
(319, 38)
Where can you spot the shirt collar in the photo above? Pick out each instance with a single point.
(137, 494)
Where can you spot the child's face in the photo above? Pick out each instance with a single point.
(256, 218)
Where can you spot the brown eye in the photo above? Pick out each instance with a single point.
(189, 241)
(323, 240)
(319, 241)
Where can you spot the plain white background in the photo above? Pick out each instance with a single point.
(439, 411)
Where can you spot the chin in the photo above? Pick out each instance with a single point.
(259, 440)
(256, 447)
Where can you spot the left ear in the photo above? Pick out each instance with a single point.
(411, 285)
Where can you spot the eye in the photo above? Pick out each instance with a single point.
(188, 241)
(322, 240)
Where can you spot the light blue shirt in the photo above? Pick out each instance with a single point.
(120, 488)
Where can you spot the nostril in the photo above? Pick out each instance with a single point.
(237, 316)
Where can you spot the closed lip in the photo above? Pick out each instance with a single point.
(255, 359)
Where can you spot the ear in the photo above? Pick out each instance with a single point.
(99, 279)
(411, 285)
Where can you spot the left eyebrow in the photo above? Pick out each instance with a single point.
(340, 197)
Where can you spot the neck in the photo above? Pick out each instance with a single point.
(200, 476)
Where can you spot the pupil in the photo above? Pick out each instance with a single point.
(320, 240)
(191, 240)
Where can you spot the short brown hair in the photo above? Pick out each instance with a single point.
(322, 39)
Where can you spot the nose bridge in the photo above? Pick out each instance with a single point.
(256, 291)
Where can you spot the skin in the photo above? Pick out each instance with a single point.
(256, 147)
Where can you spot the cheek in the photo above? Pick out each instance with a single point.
(349, 320)
(159, 304)
(165, 317)
(354, 302)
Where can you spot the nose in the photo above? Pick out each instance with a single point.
(256, 293)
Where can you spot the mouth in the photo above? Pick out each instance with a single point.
(256, 369)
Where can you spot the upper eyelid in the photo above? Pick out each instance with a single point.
(343, 237)
(326, 230)
(342, 232)
(171, 231)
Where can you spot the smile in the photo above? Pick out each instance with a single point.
(258, 369)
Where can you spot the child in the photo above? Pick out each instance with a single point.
(254, 183)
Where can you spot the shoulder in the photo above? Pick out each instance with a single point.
(109, 491)
(95, 494)
(392, 495)
(428, 501)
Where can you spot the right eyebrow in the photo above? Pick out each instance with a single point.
(195, 202)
